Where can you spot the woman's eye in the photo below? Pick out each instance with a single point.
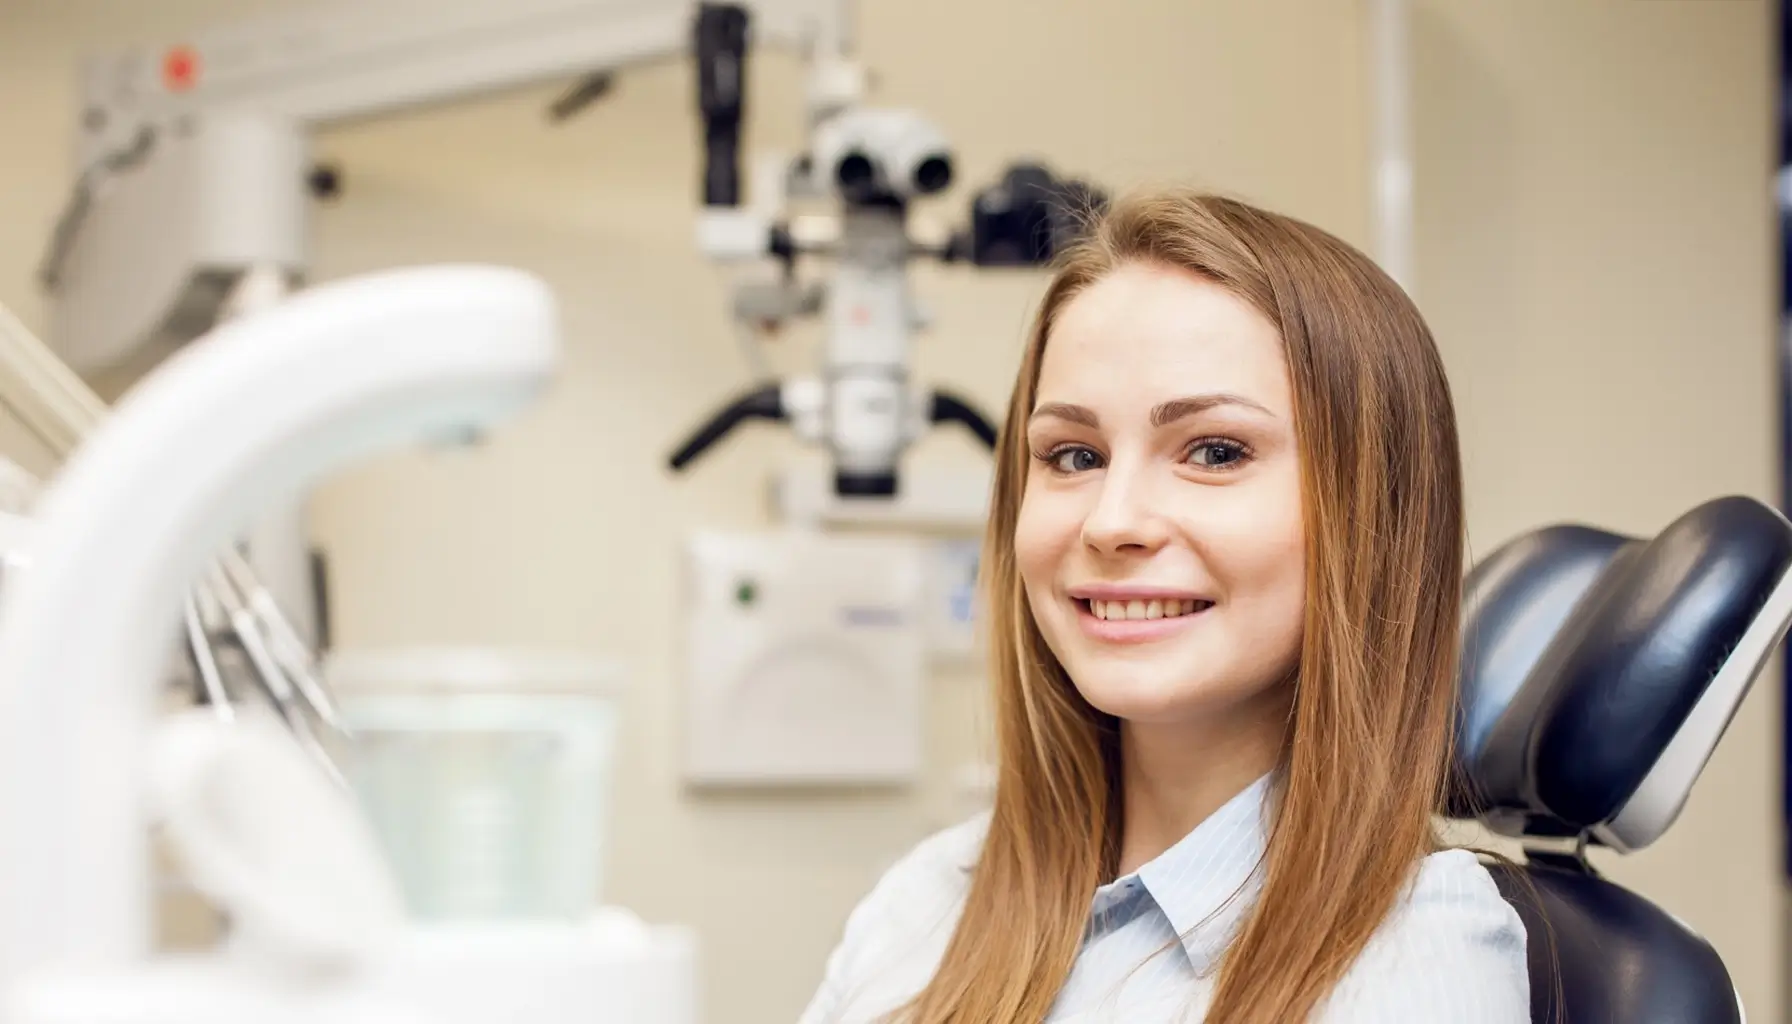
(1075, 460)
(1216, 454)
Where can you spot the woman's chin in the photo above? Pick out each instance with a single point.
(1169, 695)
(1139, 695)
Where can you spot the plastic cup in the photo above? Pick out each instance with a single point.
(486, 775)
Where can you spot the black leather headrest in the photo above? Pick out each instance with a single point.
(1515, 602)
(1600, 670)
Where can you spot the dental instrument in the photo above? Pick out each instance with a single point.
(230, 605)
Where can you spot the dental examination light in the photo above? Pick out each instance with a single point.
(245, 418)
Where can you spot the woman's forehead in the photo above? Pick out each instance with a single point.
(1145, 333)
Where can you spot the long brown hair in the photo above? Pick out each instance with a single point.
(1365, 762)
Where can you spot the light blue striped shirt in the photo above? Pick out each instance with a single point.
(1451, 950)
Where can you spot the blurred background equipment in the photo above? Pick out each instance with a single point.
(197, 173)
(193, 207)
(255, 411)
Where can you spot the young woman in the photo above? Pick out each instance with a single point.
(1223, 565)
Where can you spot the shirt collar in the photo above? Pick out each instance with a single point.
(1207, 882)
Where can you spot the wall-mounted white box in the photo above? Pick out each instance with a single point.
(805, 658)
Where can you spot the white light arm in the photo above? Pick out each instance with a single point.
(352, 60)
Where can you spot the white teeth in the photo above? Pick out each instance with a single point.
(1116, 611)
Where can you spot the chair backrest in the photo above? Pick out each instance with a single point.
(1599, 671)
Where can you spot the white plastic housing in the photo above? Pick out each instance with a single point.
(163, 242)
(608, 971)
(806, 659)
(611, 969)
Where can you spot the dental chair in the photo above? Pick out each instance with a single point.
(1598, 673)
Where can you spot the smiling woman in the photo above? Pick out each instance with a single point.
(1223, 568)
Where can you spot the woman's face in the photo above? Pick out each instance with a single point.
(1159, 536)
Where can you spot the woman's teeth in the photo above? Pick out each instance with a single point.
(1116, 610)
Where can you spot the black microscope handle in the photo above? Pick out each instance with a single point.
(949, 408)
(721, 35)
(762, 403)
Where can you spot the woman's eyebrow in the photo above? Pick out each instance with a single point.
(1162, 415)
(1070, 413)
(1166, 413)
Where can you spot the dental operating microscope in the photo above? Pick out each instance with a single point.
(873, 164)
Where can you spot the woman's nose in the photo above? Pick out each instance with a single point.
(1125, 515)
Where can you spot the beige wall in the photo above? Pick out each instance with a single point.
(1595, 252)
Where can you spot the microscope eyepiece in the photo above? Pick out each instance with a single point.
(855, 173)
(933, 174)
